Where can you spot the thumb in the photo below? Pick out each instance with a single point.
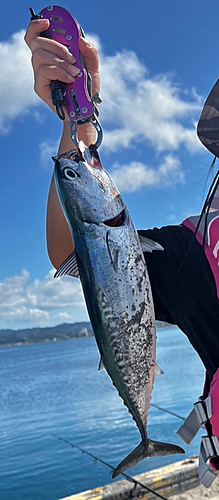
(34, 29)
(90, 55)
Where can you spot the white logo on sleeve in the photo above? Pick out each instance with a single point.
(213, 237)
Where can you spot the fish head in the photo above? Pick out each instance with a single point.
(86, 191)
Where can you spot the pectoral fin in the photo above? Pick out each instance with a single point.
(101, 365)
(149, 245)
(158, 370)
(69, 267)
(113, 251)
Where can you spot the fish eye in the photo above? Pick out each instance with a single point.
(69, 173)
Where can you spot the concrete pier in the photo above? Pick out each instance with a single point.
(174, 481)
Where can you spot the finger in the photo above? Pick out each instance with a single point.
(45, 74)
(43, 58)
(91, 60)
(43, 78)
(90, 55)
(53, 47)
(34, 41)
(34, 29)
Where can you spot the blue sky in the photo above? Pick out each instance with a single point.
(158, 63)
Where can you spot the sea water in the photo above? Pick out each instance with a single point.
(55, 388)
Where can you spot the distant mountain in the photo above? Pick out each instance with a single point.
(65, 331)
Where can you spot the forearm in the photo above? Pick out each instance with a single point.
(59, 240)
(86, 133)
(53, 61)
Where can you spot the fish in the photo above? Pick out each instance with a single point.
(109, 260)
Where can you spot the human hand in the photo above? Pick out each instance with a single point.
(53, 61)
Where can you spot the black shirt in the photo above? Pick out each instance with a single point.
(184, 289)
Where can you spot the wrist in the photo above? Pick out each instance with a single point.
(87, 133)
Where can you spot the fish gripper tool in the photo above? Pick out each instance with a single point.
(76, 97)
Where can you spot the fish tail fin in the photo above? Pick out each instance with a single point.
(145, 450)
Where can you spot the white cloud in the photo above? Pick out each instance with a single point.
(16, 80)
(63, 316)
(136, 106)
(16, 284)
(139, 107)
(134, 176)
(53, 293)
(25, 314)
(44, 302)
(48, 149)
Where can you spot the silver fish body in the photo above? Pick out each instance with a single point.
(116, 287)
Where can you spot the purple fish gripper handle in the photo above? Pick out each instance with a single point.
(65, 29)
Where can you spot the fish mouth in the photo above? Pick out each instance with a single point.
(116, 221)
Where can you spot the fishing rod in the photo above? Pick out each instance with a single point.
(160, 408)
(167, 411)
(97, 459)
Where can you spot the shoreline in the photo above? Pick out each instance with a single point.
(25, 344)
(48, 341)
